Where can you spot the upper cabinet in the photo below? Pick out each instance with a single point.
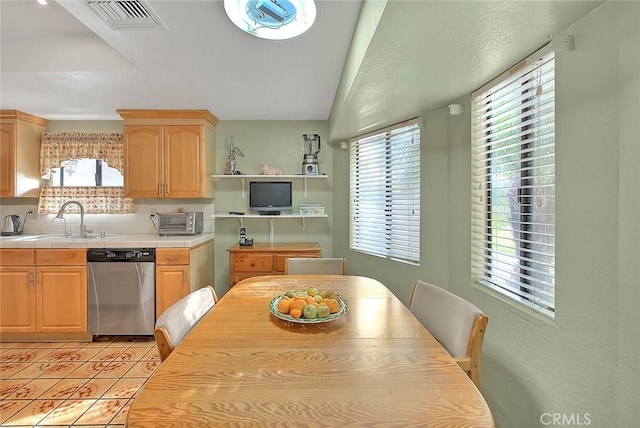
(20, 136)
(169, 153)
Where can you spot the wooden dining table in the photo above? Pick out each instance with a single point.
(375, 365)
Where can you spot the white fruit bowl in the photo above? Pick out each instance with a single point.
(273, 308)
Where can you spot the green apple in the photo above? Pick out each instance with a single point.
(309, 312)
(323, 311)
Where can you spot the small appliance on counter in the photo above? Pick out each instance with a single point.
(12, 226)
(310, 159)
(187, 223)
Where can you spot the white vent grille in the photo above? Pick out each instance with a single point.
(126, 14)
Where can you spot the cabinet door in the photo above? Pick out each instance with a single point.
(62, 299)
(183, 161)
(17, 305)
(172, 284)
(143, 169)
(7, 159)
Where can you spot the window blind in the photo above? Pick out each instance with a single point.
(385, 192)
(513, 183)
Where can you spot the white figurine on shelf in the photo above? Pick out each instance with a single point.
(267, 169)
(230, 165)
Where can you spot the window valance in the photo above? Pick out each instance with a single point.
(58, 147)
(96, 200)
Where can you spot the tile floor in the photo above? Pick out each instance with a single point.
(73, 384)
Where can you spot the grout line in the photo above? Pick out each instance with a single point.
(141, 354)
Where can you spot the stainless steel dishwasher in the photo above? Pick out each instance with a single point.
(121, 294)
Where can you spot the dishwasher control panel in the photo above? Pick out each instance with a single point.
(121, 255)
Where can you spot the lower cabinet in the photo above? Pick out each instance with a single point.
(265, 259)
(172, 277)
(18, 302)
(180, 271)
(43, 291)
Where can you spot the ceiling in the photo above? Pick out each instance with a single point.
(407, 57)
(62, 62)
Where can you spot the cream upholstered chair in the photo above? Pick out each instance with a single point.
(315, 266)
(178, 320)
(457, 324)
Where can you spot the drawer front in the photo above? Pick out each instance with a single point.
(172, 256)
(253, 263)
(281, 259)
(61, 257)
(11, 257)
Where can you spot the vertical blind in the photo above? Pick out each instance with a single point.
(385, 192)
(513, 182)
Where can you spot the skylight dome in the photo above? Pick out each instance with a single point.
(272, 19)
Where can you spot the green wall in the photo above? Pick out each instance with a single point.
(279, 143)
(586, 361)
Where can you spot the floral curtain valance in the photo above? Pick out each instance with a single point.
(95, 200)
(58, 147)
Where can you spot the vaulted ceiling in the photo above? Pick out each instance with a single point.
(402, 57)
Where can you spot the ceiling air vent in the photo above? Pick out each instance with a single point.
(127, 14)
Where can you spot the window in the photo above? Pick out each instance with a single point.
(86, 172)
(85, 167)
(513, 183)
(385, 193)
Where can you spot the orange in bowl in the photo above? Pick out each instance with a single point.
(284, 305)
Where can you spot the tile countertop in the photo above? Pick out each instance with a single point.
(128, 240)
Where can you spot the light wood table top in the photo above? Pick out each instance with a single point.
(375, 365)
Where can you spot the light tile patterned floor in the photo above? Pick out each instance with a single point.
(73, 384)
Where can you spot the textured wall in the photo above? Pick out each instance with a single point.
(585, 363)
(279, 143)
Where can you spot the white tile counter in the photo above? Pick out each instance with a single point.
(129, 240)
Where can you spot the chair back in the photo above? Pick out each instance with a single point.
(178, 320)
(454, 322)
(315, 266)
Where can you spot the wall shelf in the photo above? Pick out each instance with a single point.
(271, 218)
(243, 179)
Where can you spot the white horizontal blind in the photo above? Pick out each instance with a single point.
(513, 174)
(385, 193)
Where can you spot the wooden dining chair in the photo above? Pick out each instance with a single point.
(457, 324)
(178, 320)
(315, 266)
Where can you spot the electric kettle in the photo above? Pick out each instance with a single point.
(11, 224)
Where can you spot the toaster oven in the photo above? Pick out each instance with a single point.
(187, 223)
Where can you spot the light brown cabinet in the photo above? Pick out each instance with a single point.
(43, 291)
(180, 271)
(172, 277)
(169, 153)
(265, 259)
(20, 136)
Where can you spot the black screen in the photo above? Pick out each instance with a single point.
(270, 196)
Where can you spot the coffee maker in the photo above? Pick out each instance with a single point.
(310, 159)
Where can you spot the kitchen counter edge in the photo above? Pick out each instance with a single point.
(131, 240)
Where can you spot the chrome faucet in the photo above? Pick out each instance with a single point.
(83, 230)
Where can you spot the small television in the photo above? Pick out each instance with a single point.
(270, 197)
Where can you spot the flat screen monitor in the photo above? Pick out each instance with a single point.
(270, 197)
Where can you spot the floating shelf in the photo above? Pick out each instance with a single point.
(271, 218)
(243, 179)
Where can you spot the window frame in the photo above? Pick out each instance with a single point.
(535, 251)
(400, 240)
